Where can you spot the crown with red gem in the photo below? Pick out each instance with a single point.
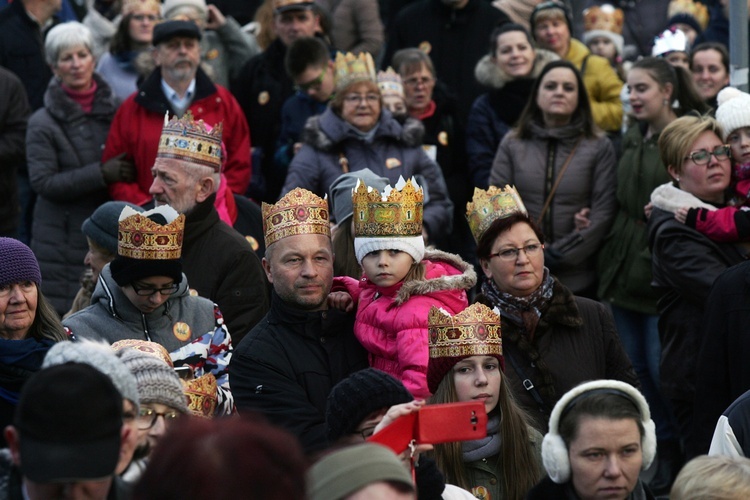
(298, 212)
(139, 236)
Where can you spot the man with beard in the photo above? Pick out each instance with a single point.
(287, 365)
(176, 85)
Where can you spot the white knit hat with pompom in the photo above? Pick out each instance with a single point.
(733, 111)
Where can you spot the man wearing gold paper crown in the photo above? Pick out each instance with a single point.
(286, 366)
(263, 85)
(176, 86)
(143, 294)
(219, 262)
(355, 132)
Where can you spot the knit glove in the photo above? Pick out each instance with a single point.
(118, 169)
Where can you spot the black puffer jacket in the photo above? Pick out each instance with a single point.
(63, 149)
(287, 365)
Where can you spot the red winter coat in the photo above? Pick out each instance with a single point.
(391, 322)
(136, 129)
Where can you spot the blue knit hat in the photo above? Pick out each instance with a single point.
(17, 263)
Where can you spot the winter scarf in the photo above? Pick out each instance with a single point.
(485, 447)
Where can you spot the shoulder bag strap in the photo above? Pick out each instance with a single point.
(528, 385)
(551, 194)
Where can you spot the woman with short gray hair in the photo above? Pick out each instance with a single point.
(64, 142)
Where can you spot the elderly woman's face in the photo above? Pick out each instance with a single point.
(518, 272)
(361, 106)
(708, 180)
(75, 67)
(418, 88)
(605, 458)
(17, 309)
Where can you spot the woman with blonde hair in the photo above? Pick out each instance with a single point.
(713, 478)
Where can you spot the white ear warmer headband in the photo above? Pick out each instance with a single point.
(554, 451)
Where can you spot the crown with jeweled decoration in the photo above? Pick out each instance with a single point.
(696, 10)
(201, 395)
(603, 17)
(185, 139)
(475, 331)
(298, 212)
(140, 237)
(350, 68)
(395, 213)
(390, 83)
(486, 206)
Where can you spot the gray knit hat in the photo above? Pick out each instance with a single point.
(157, 381)
(101, 227)
(340, 192)
(101, 357)
(348, 470)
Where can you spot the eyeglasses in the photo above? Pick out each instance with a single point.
(147, 418)
(304, 87)
(142, 17)
(145, 291)
(366, 433)
(511, 254)
(356, 99)
(702, 156)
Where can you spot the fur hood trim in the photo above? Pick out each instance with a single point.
(324, 132)
(490, 75)
(669, 198)
(464, 281)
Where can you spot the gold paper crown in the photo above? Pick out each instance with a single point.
(475, 331)
(139, 237)
(298, 212)
(694, 9)
(487, 206)
(390, 83)
(397, 213)
(604, 17)
(130, 6)
(350, 68)
(201, 395)
(185, 139)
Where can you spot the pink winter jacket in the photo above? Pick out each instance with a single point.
(391, 322)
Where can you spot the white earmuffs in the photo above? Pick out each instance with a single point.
(554, 451)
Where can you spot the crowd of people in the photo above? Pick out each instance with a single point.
(335, 249)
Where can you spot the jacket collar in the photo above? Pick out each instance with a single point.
(63, 108)
(151, 96)
(491, 75)
(313, 324)
(200, 219)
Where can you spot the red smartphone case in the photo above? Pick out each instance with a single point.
(435, 424)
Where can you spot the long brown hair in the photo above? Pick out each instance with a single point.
(519, 464)
(345, 261)
(46, 324)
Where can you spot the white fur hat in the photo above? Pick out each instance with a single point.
(413, 245)
(733, 111)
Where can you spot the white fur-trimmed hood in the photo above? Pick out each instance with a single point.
(464, 281)
(490, 75)
(669, 198)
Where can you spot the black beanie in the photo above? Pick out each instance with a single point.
(358, 395)
(126, 270)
